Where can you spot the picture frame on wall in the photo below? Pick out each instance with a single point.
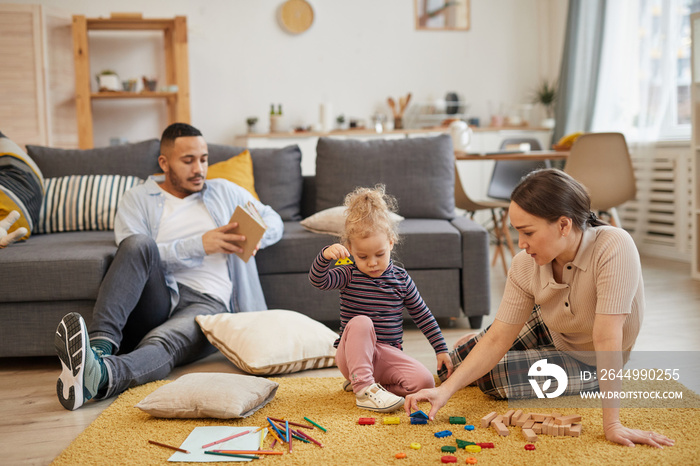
(442, 15)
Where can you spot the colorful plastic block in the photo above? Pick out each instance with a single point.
(469, 427)
(471, 460)
(392, 420)
(419, 414)
(365, 421)
(473, 448)
(485, 444)
(443, 433)
(415, 445)
(448, 459)
(400, 455)
(449, 449)
(418, 420)
(457, 420)
(529, 446)
(464, 443)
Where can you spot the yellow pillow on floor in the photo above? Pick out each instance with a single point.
(237, 169)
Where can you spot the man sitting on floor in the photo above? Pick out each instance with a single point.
(175, 261)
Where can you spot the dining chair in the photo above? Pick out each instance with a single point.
(602, 163)
(464, 202)
(505, 177)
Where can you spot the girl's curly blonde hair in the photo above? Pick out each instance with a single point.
(368, 211)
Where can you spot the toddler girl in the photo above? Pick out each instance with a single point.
(373, 295)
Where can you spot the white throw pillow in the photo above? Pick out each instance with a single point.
(331, 221)
(206, 394)
(270, 342)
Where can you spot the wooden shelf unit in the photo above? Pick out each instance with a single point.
(695, 143)
(176, 69)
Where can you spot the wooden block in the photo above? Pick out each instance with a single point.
(568, 419)
(530, 435)
(516, 417)
(523, 419)
(486, 420)
(567, 429)
(538, 417)
(528, 424)
(575, 430)
(555, 430)
(507, 417)
(501, 429)
(537, 427)
(555, 415)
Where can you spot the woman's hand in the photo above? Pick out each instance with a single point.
(437, 397)
(335, 251)
(444, 359)
(618, 433)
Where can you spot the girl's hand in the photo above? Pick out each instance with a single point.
(444, 359)
(437, 397)
(618, 433)
(335, 251)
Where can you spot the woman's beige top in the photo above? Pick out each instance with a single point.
(605, 277)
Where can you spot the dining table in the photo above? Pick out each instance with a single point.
(513, 155)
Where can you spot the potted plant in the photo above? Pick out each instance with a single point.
(108, 80)
(251, 121)
(340, 120)
(546, 95)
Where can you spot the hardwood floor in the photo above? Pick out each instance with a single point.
(35, 428)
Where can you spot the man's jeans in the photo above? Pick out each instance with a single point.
(132, 312)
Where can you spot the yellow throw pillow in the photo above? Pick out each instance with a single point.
(237, 169)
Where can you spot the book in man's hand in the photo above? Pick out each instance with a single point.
(250, 225)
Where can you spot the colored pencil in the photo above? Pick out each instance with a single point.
(289, 435)
(319, 426)
(226, 439)
(274, 442)
(235, 455)
(250, 452)
(293, 423)
(168, 446)
(312, 439)
(262, 437)
(274, 427)
(299, 436)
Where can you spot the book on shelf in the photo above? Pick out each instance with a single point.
(251, 225)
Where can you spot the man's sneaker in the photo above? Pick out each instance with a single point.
(347, 386)
(80, 375)
(377, 398)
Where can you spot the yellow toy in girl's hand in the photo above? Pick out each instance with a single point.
(8, 238)
(344, 261)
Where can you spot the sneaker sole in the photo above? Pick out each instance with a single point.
(70, 342)
(388, 409)
(347, 386)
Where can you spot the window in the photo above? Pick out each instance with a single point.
(644, 81)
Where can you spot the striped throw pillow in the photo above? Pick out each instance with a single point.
(85, 202)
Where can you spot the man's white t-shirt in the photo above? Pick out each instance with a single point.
(183, 218)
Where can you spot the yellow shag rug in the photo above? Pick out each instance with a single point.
(120, 434)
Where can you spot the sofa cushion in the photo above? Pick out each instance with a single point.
(56, 267)
(277, 173)
(136, 159)
(21, 186)
(294, 252)
(85, 202)
(238, 169)
(419, 172)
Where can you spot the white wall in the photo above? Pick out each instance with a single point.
(355, 55)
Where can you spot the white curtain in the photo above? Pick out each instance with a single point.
(638, 70)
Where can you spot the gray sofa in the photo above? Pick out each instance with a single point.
(50, 275)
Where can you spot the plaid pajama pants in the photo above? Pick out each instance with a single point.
(509, 378)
